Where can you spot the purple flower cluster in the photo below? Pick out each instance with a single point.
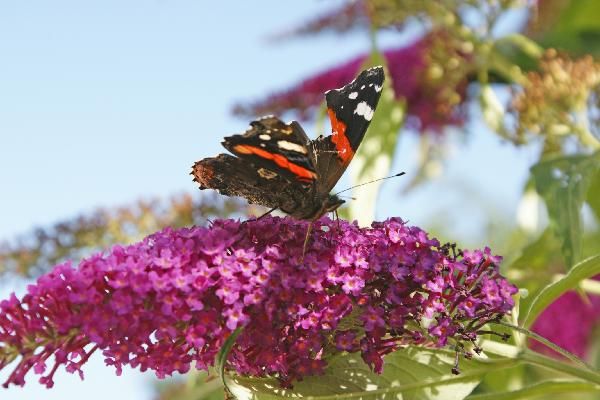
(569, 322)
(172, 300)
(427, 103)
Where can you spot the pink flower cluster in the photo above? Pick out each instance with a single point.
(172, 300)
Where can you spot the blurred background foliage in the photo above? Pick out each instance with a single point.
(36, 252)
(526, 68)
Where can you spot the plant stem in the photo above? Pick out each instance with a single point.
(547, 343)
(534, 358)
(582, 370)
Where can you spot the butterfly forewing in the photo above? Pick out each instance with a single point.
(276, 146)
(350, 111)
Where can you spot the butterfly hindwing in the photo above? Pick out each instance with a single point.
(233, 176)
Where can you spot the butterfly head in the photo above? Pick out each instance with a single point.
(319, 208)
(333, 202)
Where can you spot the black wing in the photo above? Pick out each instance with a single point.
(350, 110)
(279, 147)
(232, 176)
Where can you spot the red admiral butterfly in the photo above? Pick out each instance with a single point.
(279, 167)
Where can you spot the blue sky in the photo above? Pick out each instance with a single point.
(103, 103)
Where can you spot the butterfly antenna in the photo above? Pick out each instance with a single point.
(368, 183)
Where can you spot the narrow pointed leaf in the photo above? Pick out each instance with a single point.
(224, 353)
(563, 183)
(411, 374)
(583, 270)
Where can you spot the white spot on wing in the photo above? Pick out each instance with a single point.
(264, 137)
(364, 110)
(378, 88)
(265, 173)
(353, 95)
(285, 145)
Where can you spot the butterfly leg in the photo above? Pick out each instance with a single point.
(308, 231)
(265, 214)
(258, 218)
(337, 219)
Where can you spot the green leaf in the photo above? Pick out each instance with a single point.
(411, 374)
(530, 270)
(563, 183)
(583, 270)
(537, 254)
(546, 388)
(574, 27)
(196, 385)
(374, 157)
(224, 353)
(582, 371)
(526, 332)
(501, 378)
(593, 195)
(500, 348)
(520, 50)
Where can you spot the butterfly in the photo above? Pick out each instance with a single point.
(276, 165)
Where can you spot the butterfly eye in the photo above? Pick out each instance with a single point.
(333, 203)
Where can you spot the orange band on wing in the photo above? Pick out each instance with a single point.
(300, 172)
(339, 138)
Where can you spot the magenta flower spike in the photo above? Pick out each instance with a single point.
(569, 310)
(169, 302)
(407, 67)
